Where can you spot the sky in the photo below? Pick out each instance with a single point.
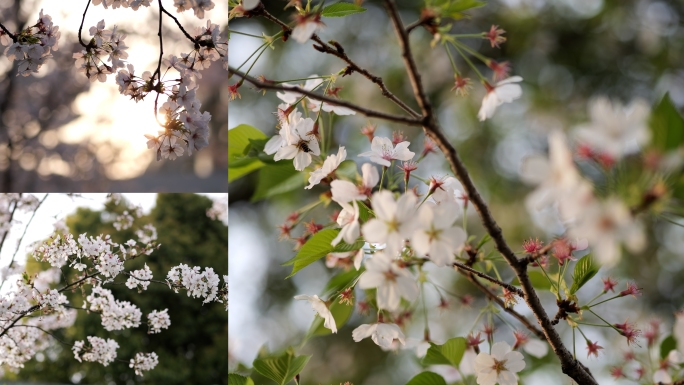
(59, 206)
(123, 121)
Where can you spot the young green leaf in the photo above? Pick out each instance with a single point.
(281, 369)
(585, 269)
(236, 379)
(341, 10)
(277, 179)
(668, 344)
(450, 353)
(427, 378)
(667, 126)
(239, 139)
(317, 247)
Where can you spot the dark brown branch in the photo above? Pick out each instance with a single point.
(362, 110)
(14, 37)
(80, 28)
(569, 365)
(177, 23)
(336, 50)
(493, 297)
(491, 279)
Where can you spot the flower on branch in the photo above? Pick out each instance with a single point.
(499, 367)
(321, 309)
(392, 281)
(382, 334)
(502, 92)
(383, 151)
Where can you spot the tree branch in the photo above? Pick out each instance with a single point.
(362, 110)
(569, 365)
(338, 51)
(490, 278)
(80, 28)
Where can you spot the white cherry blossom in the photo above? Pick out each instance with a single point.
(499, 367)
(615, 130)
(394, 221)
(344, 191)
(383, 151)
(143, 362)
(393, 282)
(348, 219)
(329, 165)
(301, 144)
(437, 237)
(381, 333)
(321, 309)
(504, 91)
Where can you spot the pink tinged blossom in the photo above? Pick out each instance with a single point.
(393, 282)
(593, 348)
(495, 36)
(344, 191)
(381, 333)
(504, 91)
(329, 165)
(321, 309)
(608, 284)
(348, 219)
(437, 237)
(632, 289)
(301, 144)
(499, 367)
(306, 26)
(383, 151)
(393, 223)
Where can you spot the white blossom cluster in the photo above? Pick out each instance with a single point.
(143, 362)
(139, 279)
(32, 46)
(147, 234)
(97, 350)
(198, 284)
(158, 320)
(125, 220)
(184, 127)
(115, 314)
(51, 299)
(104, 43)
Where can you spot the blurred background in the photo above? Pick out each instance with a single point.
(568, 52)
(194, 348)
(59, 132)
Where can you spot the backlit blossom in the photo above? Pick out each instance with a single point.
(504, 91)
(499, 367)
(321, 309)
(393, 282)
(381, 333)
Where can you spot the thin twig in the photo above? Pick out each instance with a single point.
(490, 279)
(10, 34)
(80, 28)
(362, 110)
(177, 23)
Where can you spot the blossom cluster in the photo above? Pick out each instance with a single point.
(197, 283)
(143, 362)
(115, 314)
(158, 320)
(33, 45)
(139, 279)
(97, 350)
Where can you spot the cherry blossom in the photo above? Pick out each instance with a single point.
(344, 191)
(383, 151)
(615, 130)
(306, 26)
(437, 237)
(139, 279)
(321, 309)
(158, 320)
(143, 362)
(393, 282)
(502, 92)
(301, 144)
(33, 45)
(100, 350)
(348, 219)
(383, 334)
(393, 223)
(499, 367)
(329, 165)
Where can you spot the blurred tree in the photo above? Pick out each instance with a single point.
(194, 350)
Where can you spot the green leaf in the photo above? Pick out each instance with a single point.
(239, 143)
(236, 379)
(667, 126)
(281, 369)
(317, 247)
(427, 378)
(668, 344)
(277, 179)
(341, 10)
(450, 353)
(341, 314)
(538, 279)
(459, 6)
(364, 212)
(585, 269)
(342, 280)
